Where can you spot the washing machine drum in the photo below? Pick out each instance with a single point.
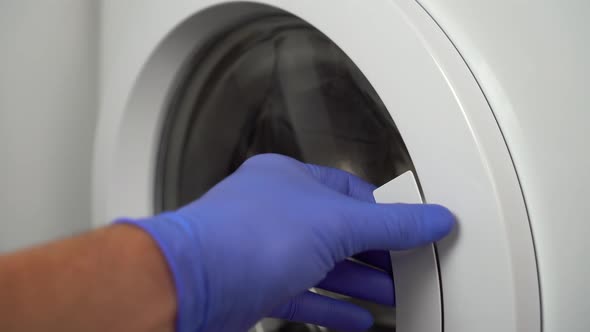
(276, 85)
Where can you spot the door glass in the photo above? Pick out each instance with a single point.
(275, 85)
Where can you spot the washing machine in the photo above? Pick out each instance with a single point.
(484, 103)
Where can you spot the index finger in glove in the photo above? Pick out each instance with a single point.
(394, 226)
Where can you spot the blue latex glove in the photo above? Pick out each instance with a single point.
(256, 242)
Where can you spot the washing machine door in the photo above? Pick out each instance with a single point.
(387, 96)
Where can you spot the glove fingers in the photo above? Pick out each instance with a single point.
(377, 258)
(396, 226)
(360, 281)
(316, 309)
(343, 182)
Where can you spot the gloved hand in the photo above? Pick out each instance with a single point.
(254, 244)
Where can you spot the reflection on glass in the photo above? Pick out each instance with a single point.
(276, 85)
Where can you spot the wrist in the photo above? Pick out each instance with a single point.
(178, 244)
(149, 280)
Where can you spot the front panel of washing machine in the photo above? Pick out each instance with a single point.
(375, 90)
(531, 61)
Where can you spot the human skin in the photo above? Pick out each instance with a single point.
(110, 279)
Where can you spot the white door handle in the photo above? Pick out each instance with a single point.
(415, 272)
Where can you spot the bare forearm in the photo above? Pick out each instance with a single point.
(112, 279)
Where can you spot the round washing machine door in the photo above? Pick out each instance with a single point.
(376, 90)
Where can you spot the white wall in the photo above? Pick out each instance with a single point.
(47, 115)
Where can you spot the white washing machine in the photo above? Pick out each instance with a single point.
(484, 101)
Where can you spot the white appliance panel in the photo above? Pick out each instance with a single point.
(531, 61)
